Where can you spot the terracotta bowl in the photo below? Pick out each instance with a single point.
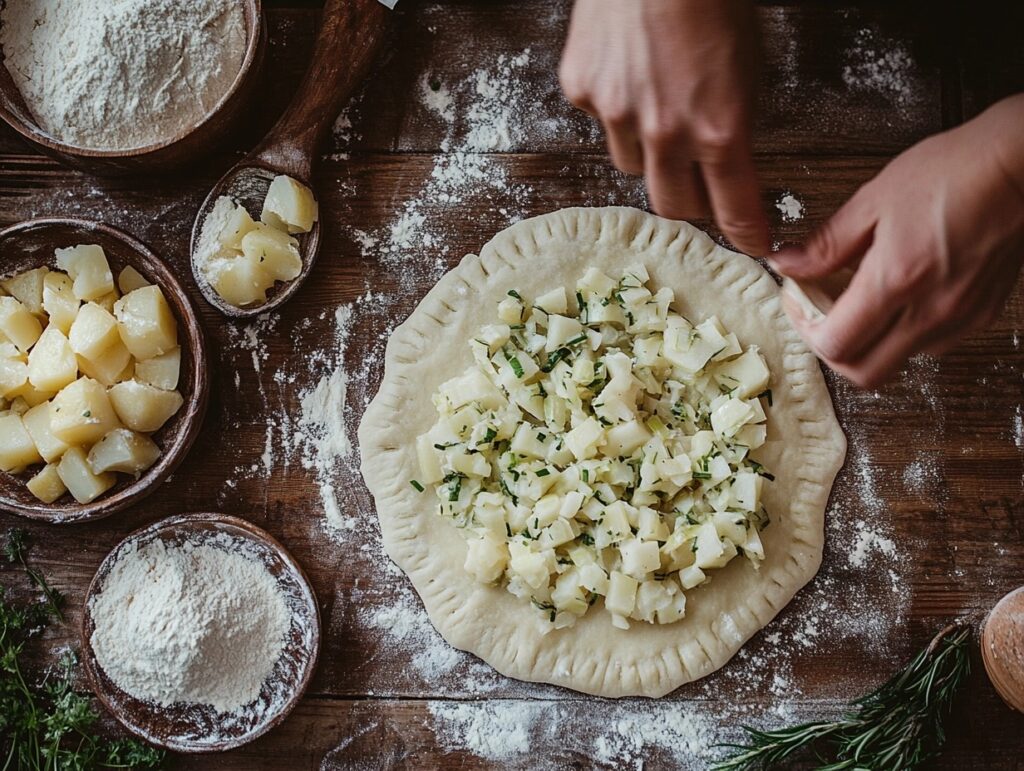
(196, 728)
(30, 245)
(168, 155)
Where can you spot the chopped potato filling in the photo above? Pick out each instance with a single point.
(599, 448)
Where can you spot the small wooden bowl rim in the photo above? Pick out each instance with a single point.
(34, 133)
(190, 523)
(193, 409)
(994, 666)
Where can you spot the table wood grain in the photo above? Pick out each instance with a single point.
(936, 461)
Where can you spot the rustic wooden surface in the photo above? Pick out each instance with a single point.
(936, 458)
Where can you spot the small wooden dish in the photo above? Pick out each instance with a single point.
(195, 728)
(169, 155)
(30, 245)
(1002, 648)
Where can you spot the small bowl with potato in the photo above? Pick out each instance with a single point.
(103, 370)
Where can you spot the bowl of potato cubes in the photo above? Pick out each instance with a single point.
(103, 370)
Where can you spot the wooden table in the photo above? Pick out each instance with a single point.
(927, 520)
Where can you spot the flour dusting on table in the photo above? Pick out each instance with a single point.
(881, 65)
(790, 207)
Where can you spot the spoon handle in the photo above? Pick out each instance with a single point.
(351, 33)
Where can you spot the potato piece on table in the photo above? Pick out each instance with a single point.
(89, 270)
(241, 281)
(111, 366)
(276, 252)
(146, 323)
(37, 423)
(47, 485)
(142, 407)
(59, 301)
(17, 449)
(93, 332)
(27, 287)
(18, 324)
(160, 371)
(125, 451)
(82, 413)
(78, 477)
(51, 362)
(289, 206)
(129, 279)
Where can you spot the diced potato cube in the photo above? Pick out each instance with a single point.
(106, 302)
(276, 252)
(111, 366)
(17, 449)
(37, 423)
(242, 282)
(146, 323)
(142, 407)
(51, 362)
(93, 332)
(88, 267)
(289, 206)
(28, 288)
(236, 224)
(32, 395)
(18, 324)
(59, 301)
(78, 477)
(13, 375)
(123, 450)
(129, 279)
(621, 593)
(160, 371)
(19, 406)
(82, 413)
(47, 485)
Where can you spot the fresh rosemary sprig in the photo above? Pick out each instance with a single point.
(47, 726)
(894, 728)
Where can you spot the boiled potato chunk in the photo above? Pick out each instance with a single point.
(30, 393)
(123, 450)
(88, 267)
(241, 282)
(160, 371)
(28, 288)
(236, 224)
(13, 370)
(47, 485)
(289, 206)
(18, 324)
(276, 252)
(129, 279)
(82, 413)
(51, 362)
(142, 407)
(17, 449)
(93, 332)
(146, 323)
(37, 423)
(107, 301)
(78, 477)
(111, 366)
(59, 301)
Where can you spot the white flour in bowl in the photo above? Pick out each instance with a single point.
(122, 74)
(189, 623)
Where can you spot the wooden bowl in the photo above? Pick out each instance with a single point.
(1002, 648)
(169, 155)
(30, 245)
(197, 728)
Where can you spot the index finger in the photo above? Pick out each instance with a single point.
(731, 179)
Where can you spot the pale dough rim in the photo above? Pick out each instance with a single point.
(593, 656)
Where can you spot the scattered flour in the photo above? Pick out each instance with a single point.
(869, 540)
(1018, 427)
(924, 474)
(436, 96)
(790, 207)
(880, 65)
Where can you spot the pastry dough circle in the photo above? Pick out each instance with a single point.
(592, 656)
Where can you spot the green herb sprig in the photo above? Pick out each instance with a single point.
(47, 726)
(897, 727)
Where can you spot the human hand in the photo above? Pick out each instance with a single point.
(937, 240)
(672, 81)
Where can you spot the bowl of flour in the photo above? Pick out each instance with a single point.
(200, 633)
(128, 85)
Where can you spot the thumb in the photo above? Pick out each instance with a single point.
(841, 241)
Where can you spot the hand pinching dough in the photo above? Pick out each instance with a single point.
(620, 407)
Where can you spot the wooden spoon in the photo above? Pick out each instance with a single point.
(351, 34)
